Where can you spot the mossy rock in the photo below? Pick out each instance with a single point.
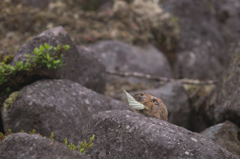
(11, 99)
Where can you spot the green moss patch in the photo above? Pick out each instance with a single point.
(11, 99)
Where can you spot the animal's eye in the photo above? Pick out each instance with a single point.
(154, 100)
(141, 94)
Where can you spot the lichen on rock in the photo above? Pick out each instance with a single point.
(11, 99)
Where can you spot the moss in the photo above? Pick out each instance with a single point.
(11, 99)
(8, 59)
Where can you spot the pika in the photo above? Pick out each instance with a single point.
(156, 107)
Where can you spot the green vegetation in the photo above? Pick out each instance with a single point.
(2, 136)
(8, 59)
(13, 77)
(52, 136)
(10, 100)
(81, 148)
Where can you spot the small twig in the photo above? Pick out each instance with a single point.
(157, 78)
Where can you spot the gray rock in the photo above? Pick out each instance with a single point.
(81, 66)
(92, 71)
(226, 135)
(25, 146)
(58, 106)
(122, 57)
(224, 102)
(125, 134)
(175, 98)
(201, 50)
(227, 13)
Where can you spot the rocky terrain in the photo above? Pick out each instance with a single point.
(183, 52)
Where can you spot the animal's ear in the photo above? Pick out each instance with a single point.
(133, 103)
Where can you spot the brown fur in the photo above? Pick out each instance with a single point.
(156, 107)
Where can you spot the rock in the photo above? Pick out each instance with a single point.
(119, 56)
(58, 106)
(80, 66)
(92, 71)
(125, 134)
(227, 13)
(226, 135)
(224, 102)
(22, 146)
(200, 53)
(175, 98)
(122, 57)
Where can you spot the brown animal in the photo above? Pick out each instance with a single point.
(156, 107)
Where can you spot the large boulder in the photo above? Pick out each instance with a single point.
(175, 98)
(227, 13)
(121, 57)
(226, 135)
(201, 51)
(81, 66)
(223, 104)
(59, 106)
(125, 134)
(22, 146)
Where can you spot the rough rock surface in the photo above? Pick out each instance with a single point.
(25, 146)
(224, 103)
(125, 134)
(80, 66)
(227, 13)
(119, 56)
(58, 106)
(226, 135)
(201, 46)
(175, 98)
(122, 57)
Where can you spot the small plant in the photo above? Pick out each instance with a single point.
(11, 77)
(52, 136)
(65, 141)
(85, 146)
(32, 132)
(82, 147)
(2, 136)
(72, 147)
